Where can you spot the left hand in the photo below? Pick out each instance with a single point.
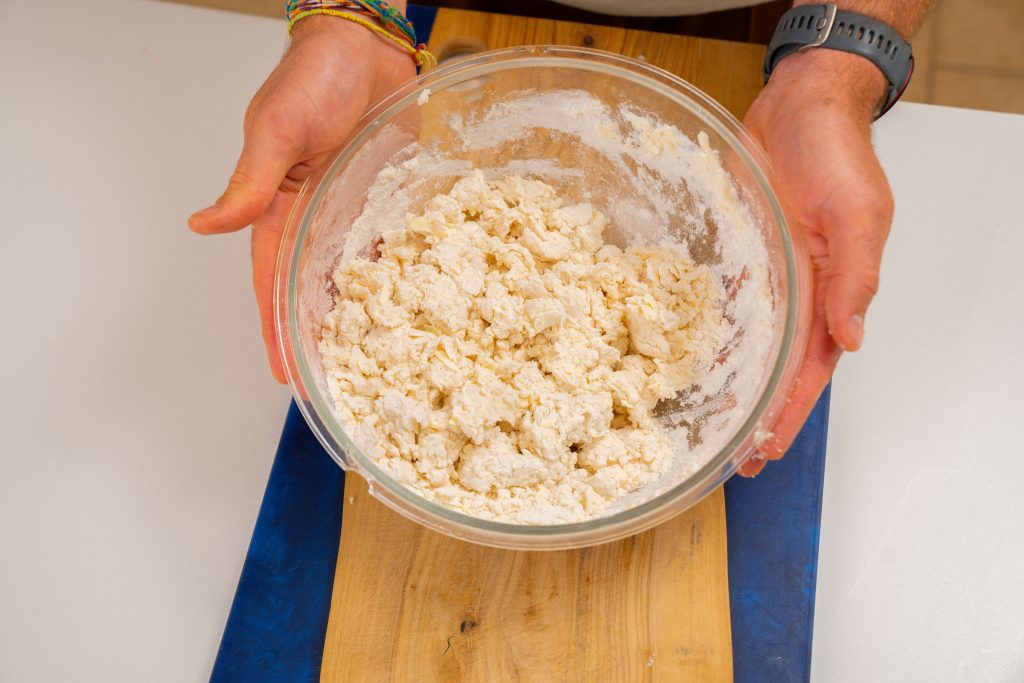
(814, 121)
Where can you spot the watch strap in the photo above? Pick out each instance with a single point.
(809, 26)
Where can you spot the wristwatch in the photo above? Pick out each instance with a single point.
(809, 26)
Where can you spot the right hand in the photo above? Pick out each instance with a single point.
(332, 72)
(839, 202)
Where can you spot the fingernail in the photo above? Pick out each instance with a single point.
(856, 331)
(753, 466)
(208, 211)
(200, 215)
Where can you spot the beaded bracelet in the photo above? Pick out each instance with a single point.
(384, 20)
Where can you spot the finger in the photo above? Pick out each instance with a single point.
(266, 241)
(266, 157)
(856, 240)
(815, 373)
(752, 466)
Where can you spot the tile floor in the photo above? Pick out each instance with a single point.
(970, 53)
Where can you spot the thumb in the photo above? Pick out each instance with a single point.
(263, 164)
(855, 256)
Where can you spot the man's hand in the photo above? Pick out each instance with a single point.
(331, 73)
(813, 119)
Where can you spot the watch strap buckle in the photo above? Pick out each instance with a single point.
(824, 26)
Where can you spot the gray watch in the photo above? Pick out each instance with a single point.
(808, 26)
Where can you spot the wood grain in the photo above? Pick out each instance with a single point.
(727, 71)
(412, 605)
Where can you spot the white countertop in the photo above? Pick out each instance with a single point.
(139, 421)
(921, 570)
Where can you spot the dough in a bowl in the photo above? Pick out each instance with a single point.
(500, 359)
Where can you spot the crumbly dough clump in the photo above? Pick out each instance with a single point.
(501, 359)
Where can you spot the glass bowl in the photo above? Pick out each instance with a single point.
(651, 151)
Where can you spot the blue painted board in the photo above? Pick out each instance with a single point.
(275, 630)
(772, 525)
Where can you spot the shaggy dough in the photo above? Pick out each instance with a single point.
(500, 359)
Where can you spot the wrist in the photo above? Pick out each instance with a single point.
(830, 77)
(321, 26)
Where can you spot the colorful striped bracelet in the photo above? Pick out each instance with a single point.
(376, 15)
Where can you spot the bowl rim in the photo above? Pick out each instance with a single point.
(314, 406)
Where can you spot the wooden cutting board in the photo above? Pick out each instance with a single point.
(412, 605)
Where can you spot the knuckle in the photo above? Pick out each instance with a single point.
(870, 282)
(858, 283)
(251, 117)
(242, 178)
(276, 120)
(268, 122)
(274, 124)
(879, 206)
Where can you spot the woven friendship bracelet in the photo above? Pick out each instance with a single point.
(388, 15)
(376, 15)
